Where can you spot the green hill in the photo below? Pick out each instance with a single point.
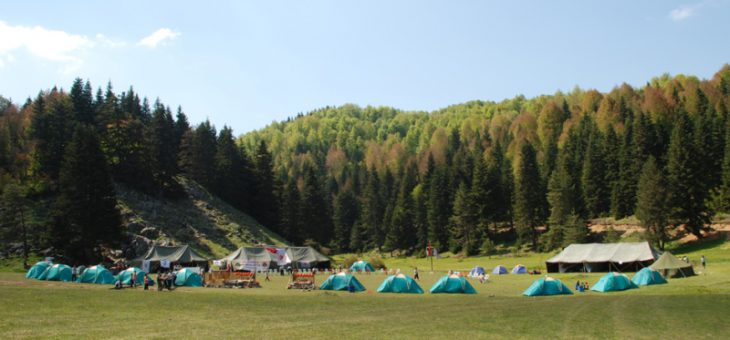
(200, 219)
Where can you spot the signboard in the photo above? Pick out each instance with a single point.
(165, 263)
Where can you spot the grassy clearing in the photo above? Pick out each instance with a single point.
(690, 308)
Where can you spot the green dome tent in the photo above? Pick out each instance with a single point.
(547, 286)
(452, 284)
(342, 281)
(56, 272)
(613, 282)
(648, 276)
(37, 269)
(187, 277)
(362, 266)
(400, 284)
(96, 274)
(126, 276)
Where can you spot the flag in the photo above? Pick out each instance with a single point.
(282, 257)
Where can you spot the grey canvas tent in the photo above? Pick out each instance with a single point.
(177, 255)
(602, 257)
(307, 257)
(262, 258)
(671, 266)
(250, 259)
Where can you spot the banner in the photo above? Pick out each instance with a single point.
(146, 266)
(165, 263)
(256, 266)
(282, 258)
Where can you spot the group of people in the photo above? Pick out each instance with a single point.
(166, 280)
(582, 286)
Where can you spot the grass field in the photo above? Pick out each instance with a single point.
(695, 307)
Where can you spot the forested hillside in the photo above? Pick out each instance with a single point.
(63, 154)
(465, 178)
(531, 170)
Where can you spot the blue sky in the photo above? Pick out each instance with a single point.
(247, 64)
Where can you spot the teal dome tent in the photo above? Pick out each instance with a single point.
(342, 281)
(37, 269)
(362, 266)
(126, 276)
(452, 284)
(400, 284)
(612, 282)
(648, 276)
(187, 277)
(97, 274)
(547, 286)
(56, 272)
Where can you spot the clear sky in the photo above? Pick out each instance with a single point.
(247, 64)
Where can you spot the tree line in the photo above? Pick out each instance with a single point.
(66, 151)
(530, 171)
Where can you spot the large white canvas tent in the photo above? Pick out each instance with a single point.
(603, 257)
(263, 258)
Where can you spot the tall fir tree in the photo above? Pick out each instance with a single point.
(528, 208)
(85, 213)
(651, 204)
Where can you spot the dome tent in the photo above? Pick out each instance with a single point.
(452, 284)
(519, 269)
(126, 276)
(612, 282)
(96, 274)
(37, 269)
(547, 286)
(476, 271)
(187, 277)
(499, 270)
(342, 281)
(362, 266)
(648, 276)
(400, 284)
(56, 272)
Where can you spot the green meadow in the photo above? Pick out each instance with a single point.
(694, 307)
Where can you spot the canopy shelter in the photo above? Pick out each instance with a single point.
(476, 271)
(547, 286)
(400, 284)
(307, 257)
(362, 266)
(250, 259)
(126, 276)
(342, 281)
(452, 284)
(187, 277)
(176, 255)
(602, 257)
(56, 272)
(648, 276)
(37, 269)
(612, 282)
(96, 274)
(519, 269)
(670, 266)
(499, 270)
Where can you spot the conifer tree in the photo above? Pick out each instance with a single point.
(687, 191)
(316, 223)
(595, 190)
(465, 221)
(651, 204)
(528, 196)
(264, 205)
(85, 212)
(344, 217)
(291, 213)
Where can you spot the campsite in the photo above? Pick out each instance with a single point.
(498, 309)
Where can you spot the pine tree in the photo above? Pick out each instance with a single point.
(595, 190)
(291, 213)
(465, 221)
(51, 126)
(687, 191)
(316, 223)
(344, 217)
(14, 224)
(402, 234)
(439, 209)
(265, 187)
(623, 193)
(528, 196)
(164, 152)
(85, 212)
(372, 211)
(82, 99)
(651, 204)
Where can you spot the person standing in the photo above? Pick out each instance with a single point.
(415, 273)
(703, 261)
(133, 281)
